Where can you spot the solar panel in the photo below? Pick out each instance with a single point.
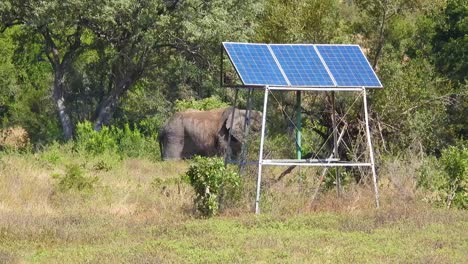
(255, 64)
(302, 65)
(349, 66)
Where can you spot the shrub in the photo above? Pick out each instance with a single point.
(446, 179)
(124, 142)
(211, 181)
(455, 165)
(94, 142)
(74, 179)
(14, 138)
(55, 153)
(132, 143)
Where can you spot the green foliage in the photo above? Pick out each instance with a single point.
(95, 142)
(451, 41)
(74, 179)
(203, 104)
(211, 180)
(124, 142)
(455, 164)
(301, 21)
(8, 86)
(54, 153)
(446, 179)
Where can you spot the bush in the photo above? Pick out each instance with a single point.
(74, 179)
(94, 142)
(455, 165)
(446, 179)
(212, 182)
(14, 138)
(124, 142)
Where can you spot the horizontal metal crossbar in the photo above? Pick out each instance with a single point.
(302, 160)
(317, 164)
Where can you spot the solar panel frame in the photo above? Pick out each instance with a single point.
(341, 67)
(258, 72)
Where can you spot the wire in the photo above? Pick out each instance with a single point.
(329, 136)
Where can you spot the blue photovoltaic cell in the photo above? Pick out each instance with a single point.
(301, 65)
(255, 64)
(348, 65)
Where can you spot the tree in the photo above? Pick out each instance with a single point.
(451, 41)
(109, 52)
(297, 21)
(60, 37)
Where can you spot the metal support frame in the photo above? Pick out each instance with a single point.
(260, 155)
(332, 161)
(371, 152)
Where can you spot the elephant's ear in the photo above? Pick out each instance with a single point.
(237, 129)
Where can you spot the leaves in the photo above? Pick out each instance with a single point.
(209, 177)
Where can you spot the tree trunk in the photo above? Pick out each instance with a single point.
(60, 103)
(105, 110)
(107, 106)
(64, 119)
(381, 40)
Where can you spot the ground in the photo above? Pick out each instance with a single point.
(140, 212)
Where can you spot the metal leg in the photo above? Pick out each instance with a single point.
(260, 158)
(371, 152)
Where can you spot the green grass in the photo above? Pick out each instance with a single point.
(126, 218)
(319, 238)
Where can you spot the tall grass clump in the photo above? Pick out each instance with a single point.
(213, 184)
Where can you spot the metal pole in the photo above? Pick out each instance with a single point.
(260, 156)
(371, 152)
(335, 143)
(298, 125)
(227, 155)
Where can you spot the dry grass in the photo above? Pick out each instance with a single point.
(140, 212)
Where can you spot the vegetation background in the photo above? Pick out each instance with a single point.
(91, 82)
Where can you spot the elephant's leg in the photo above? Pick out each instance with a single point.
(191, 148)
(173, 147)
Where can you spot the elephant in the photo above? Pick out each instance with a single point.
(205, 133)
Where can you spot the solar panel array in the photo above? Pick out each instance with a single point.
(301, 65)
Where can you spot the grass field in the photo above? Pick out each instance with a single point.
(140, 212)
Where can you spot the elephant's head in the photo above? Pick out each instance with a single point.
(237, 126)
